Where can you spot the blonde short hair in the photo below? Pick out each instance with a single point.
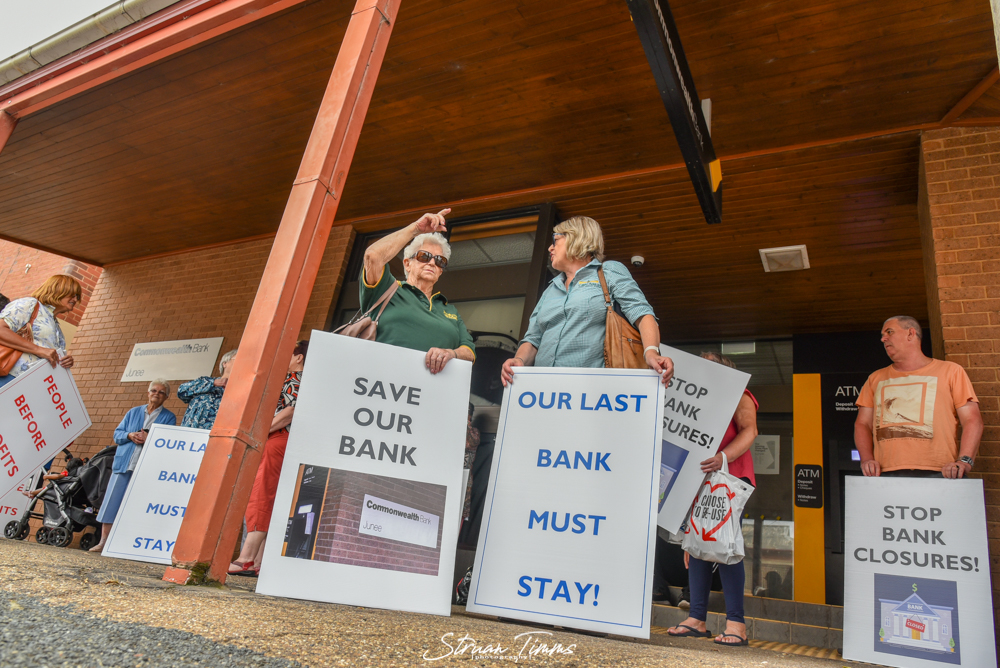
(583, 237)
(56, 288)
(225, 358)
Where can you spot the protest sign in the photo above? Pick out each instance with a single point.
(40, 414)
(569, 527)
(15, 502)
(699, 404)
(917, 573)
(157, 496)
(368, 503)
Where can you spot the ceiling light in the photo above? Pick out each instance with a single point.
(739, 347)
(784, 258)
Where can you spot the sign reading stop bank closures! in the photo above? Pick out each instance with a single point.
(917, 573)
(41, 412)
(570, 521)
(157, 496)
(367, 507)
(698, 406)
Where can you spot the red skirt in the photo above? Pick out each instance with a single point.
(265, 485)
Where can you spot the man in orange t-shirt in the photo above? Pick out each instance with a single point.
(908, 412)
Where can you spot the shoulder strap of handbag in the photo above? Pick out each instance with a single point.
(27, 328)
(383, 300)
(604, 287)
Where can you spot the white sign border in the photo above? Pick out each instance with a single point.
(645, 615)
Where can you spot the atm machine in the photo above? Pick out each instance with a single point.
(838, 393)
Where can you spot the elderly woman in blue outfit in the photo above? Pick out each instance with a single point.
(203, 395)
(130, 433)
(567, 326)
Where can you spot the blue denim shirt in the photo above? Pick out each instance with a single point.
(567, 326)
(133, 421)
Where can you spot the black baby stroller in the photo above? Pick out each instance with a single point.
(70, 504)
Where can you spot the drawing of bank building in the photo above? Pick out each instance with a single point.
(914, 623)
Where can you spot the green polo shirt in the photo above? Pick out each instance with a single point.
(410, 321)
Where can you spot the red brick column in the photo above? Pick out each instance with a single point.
(960, 225)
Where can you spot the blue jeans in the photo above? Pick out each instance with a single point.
(5, 379)
(700, 581)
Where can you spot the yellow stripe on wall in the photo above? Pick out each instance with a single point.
(810, 538)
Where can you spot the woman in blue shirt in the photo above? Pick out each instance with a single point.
(568, 324)
(130, 433)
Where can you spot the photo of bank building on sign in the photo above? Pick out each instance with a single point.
(915, 624)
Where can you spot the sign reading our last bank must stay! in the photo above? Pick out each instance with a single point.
(157, 496)
(367, 507)
(569, 527)
(917, 573)
(41, 412)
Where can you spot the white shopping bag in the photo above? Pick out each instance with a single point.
(713, 527)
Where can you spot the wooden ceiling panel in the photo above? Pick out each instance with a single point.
(484, 104)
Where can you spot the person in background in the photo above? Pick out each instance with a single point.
(471, 444)
(567, 327)
(203, 395)
(417, 317)
(72, 464)
(265, 484)
(59, 294)
(893, 433)
(130, 436)
(735, 445)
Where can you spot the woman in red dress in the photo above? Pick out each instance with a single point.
(265, 485)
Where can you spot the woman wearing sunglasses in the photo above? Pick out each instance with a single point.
(417, 317)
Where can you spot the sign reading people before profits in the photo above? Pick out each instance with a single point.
(157, 496)
(699, 404)
(172, 360)
(41, 413)
(369, 500)
(569, 527)
(917, 573)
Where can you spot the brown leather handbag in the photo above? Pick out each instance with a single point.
(622, 343)
(9, 356)
(362, 325)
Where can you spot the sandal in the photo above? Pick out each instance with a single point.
(691, 632)
(246, 568)
(741, 641)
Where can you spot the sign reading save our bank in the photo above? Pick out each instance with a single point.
(172, 360)
(569, 528)
(367, 507)
(917, 573)
(41, 413)
(157, 496)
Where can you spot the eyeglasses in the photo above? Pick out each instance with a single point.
(427, 256)
(158, 392)
(556, 237)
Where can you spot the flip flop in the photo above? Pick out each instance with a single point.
(742, 642)
(243, 569)
(690, 633)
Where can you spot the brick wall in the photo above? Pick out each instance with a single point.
(23, 270)
(199, 294)
(338, 539)
(960, 223)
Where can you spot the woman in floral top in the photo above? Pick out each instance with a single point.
(57, 295)
(265, 485)
(203, 395)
